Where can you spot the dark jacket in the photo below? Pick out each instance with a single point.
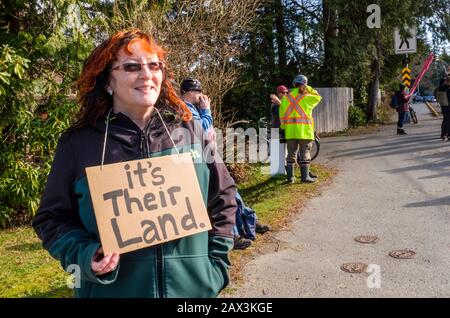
(193, 266)
(274, 112)
(402, 102)
(444, 87)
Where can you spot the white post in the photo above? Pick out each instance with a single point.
(277, 157)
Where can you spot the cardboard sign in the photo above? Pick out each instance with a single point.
(146, 202)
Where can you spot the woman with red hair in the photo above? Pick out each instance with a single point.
(129, 110)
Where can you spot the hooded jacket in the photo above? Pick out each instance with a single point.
(193, 266)
(403, 106)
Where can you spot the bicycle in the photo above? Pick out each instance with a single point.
(413, 114)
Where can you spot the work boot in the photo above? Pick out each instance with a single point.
(312, 175)
(241, 243)
(401, 131)
(261, 228)
(290, 174)
(304, 170)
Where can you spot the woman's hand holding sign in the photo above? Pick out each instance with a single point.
(103, 264)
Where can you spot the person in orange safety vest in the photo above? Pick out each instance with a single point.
(297, 121)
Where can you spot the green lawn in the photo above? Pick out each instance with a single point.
(27, 270)
(272, 199)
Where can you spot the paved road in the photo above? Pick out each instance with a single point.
(395, 187)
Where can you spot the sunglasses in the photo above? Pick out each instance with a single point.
(284, 92)
(137, 67)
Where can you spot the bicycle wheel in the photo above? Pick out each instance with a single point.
(413, 115)
(315, 149)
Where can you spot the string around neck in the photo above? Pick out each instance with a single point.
(167, 130)
(104, 141)
(106, 136)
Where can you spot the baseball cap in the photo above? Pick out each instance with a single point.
(281, 89)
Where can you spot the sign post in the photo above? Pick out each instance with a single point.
(277, 156)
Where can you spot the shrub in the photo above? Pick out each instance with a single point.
(36, 100)
(356, 116)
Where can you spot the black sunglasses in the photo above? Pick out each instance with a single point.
(284, 92)
(137, 67)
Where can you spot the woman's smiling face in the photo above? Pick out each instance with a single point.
(135, 91)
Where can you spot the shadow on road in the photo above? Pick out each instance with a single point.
(435, 202)
(422, 148)
(439, 166)
(404, 144)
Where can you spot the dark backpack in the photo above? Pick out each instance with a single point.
(394, 101)
(245, 219)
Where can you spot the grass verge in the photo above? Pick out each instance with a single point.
(275, 202)
(26, 269)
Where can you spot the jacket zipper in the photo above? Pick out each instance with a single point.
(159, 271)
(145, 153)
(160, 293)
(142, 145)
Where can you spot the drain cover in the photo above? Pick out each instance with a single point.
(354, 267)
(402, 254)
(366, 239)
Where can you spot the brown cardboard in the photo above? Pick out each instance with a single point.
(146, 202)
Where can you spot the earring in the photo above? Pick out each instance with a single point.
(109, 91)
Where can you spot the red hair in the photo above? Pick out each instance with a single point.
(94, 76)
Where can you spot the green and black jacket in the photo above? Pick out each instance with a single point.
(194, 266)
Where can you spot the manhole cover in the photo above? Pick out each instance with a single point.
(366, 239)
(402, 254)
(354, 267)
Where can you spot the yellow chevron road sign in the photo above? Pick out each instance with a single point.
(406, 77)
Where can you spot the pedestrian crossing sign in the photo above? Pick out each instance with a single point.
(405, 44)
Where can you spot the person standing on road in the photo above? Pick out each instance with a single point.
(297, 121)
(402, 108)
(444, 101)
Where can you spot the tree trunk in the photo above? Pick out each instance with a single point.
(304, 41)
(330, 39)
(371, 111)
(281, 39)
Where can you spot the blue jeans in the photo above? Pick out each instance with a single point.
(401, 119)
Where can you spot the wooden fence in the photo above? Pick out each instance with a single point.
(331, 115)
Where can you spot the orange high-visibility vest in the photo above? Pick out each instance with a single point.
(296, 113)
